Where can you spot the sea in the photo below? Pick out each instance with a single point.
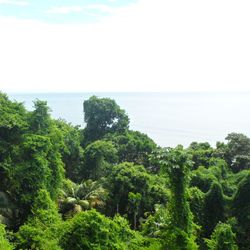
(168, 118)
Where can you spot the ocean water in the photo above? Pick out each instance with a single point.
(168, 118)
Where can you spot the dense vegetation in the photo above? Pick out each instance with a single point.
(108, 187)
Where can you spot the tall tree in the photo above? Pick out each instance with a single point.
(44, 226)
(97, 159)
(133, 146)
(13, 123)
(241, 210)
(29, 154)
(40, 118)
(176, 162)
(237, 151)
(36, 166)
(71, 150)
(201, 154)
(214, 208)
(222, 238)
(132, 189)
(102, 116)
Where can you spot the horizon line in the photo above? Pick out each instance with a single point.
(127, 92)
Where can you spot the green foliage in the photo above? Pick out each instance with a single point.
(241, 210)
(8, 209)
(238, 144)
(156, 222)
(133, 239)
(102, 116)
(196, 201)
(134, 203)
(75, 198)
(241, 162)
(219, 168)
(43, 229)
(133, 146)
(222, 238)
(42, 124)
(12, 120)
(232, 181)
(202, 178)
(217, 172)
(127, 178)
(4, 243)
(42, 166)
(13, 123)
(237, 151)
(97, 159)
(198, 185)
(176, 162)
(241, 202)
(71, 150)
(201, 154)
(30, 158)
(91, 230)
(179, 240)
(40, 118)
(214, 208)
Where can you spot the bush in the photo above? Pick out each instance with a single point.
(4, 243)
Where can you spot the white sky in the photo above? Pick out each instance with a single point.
(151, 45)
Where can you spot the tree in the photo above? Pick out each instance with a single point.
(29, 156)
(237, 151)
(102, 116)
(222, 238)
(214, 208)
(196, 200)
(127, 180)
(93, 231)
(71, 150)
(201, 154)
(176, 162)
(40, 118)
(4, 243)
(134, 203)
(43, 228)
(13, 123)
(97, 159)
(133, 146)
(75, 198)
(202, 178)
(241, 210)
(36, 166)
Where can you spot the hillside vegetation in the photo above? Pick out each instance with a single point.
(109, 187)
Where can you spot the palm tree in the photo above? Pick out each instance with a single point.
(77, 197)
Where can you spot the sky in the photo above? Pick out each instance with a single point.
(124, 45)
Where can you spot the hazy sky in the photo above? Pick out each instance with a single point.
(121, 45)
